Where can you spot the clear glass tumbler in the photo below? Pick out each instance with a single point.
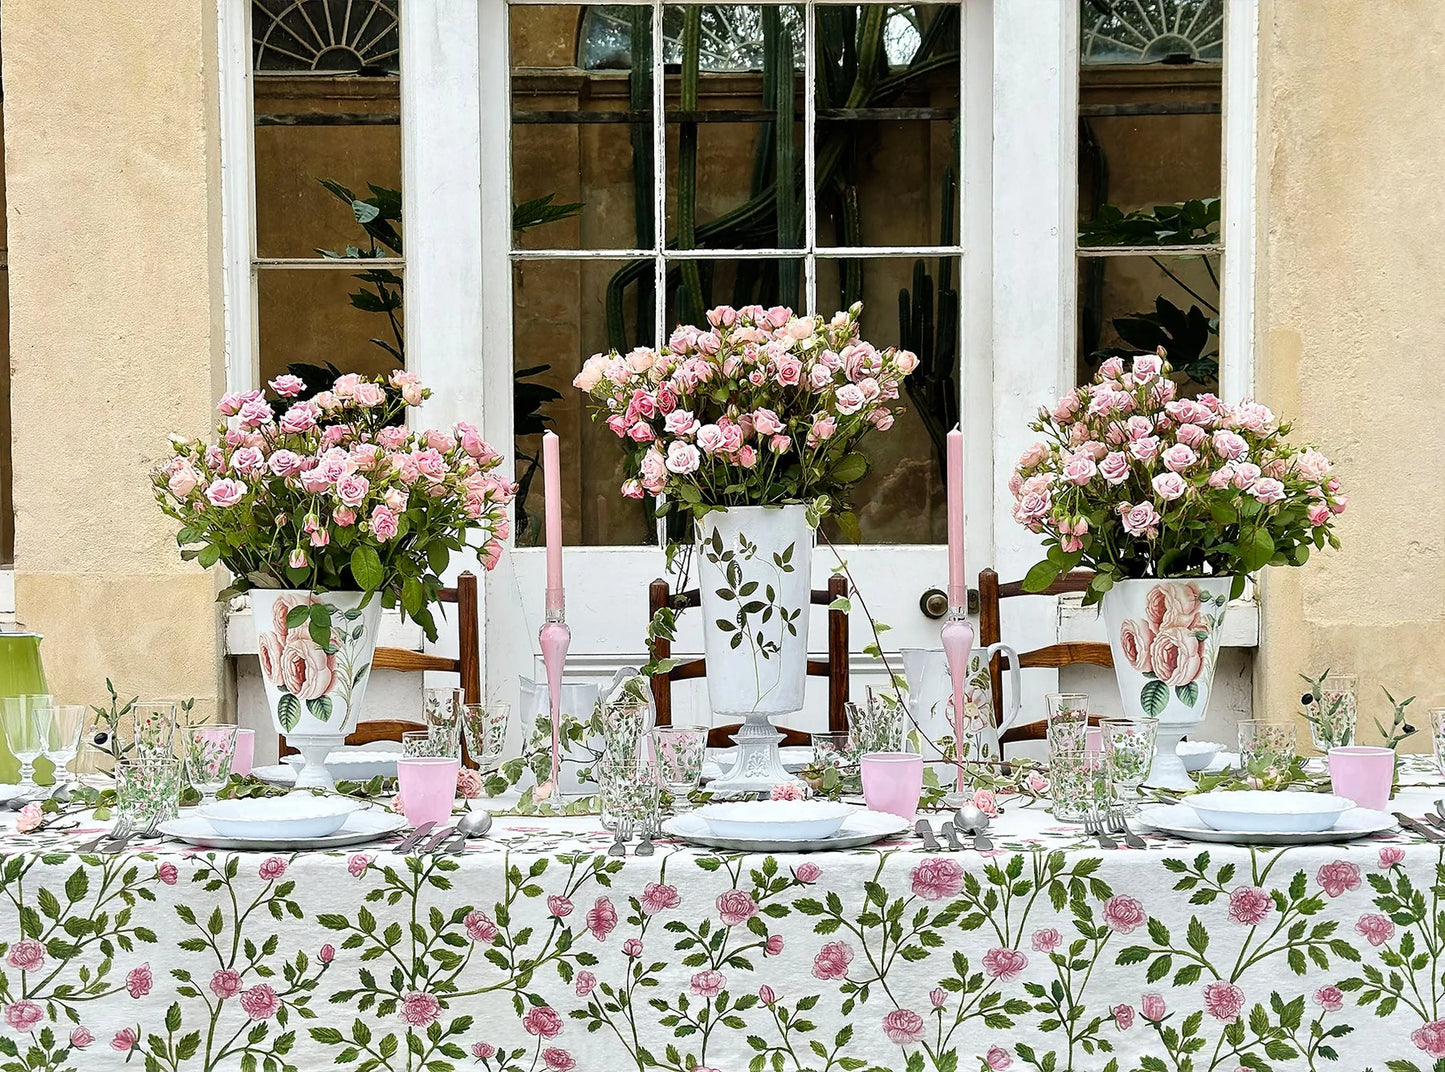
(1129, 749)
(877, 725)
(1334, 712)
(148, 790)
(441, 714)
(679, 753)
(1266, 746)
(486, 730)
(1079, 783)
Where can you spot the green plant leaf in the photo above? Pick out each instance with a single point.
(366, 568)
(1041, 576)
(297, 615)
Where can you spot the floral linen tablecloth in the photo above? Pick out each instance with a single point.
(536, 951)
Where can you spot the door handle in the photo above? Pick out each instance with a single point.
(934, 603)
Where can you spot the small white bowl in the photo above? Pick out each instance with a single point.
(1259, 810)
(776, 820)
(296, 815)
(1196, 755)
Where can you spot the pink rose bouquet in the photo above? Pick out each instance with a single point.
(1130, 481)
(757, 408)
(335, 492)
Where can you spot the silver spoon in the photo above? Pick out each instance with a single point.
(472, 824)
(973, 820)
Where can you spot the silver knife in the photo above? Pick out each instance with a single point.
(435, 841)
(1440, 807)
(923, 830)
(1429, 833)
(412, 838)
(1434, 820)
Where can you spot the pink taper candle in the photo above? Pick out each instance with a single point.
(957, 584)
(552, 485)
(957, 632)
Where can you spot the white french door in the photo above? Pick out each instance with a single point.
(559, 132)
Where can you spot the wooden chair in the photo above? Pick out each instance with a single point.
(1052, 656)
(834, 667)
(467, 666)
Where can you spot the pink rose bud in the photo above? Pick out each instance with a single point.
(80, 1038)
(328, 953)
(766, 995)
(938, 996)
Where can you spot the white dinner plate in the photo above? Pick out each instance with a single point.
(1179, 820)
(775, 820)
(863, 827)
(371, 824)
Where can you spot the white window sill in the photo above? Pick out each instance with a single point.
(1079, 624)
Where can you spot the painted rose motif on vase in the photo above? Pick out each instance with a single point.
(1174, 643)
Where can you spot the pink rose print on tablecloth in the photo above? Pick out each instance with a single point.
(656, 897)
(559, 907)
(167, 873)
(1249, 905)
(1153, 1008)
(23, 1015)
(938, 997)
(1124, 1017)
(356, 866)
(26, 954)
(807, 873)
(138, 981)
(226, 983)
(708, 984)
(903, 1026)
(774, 945)
(998, 1059)
(735, 907)
(832, 961)
(483, 1050)
(1375, 928)
(1046, 940)
(1338, 877)
(260, 1002)
(1430, 1038)
(1123, 913)
(632, 947)
(1223, 1001)
(558, 1060)
(272, 868)
(585, 982)
(419, 1008)
(542, 1021)
(1390, 855)
(1004, 964)
(480, 927)
(601, 919)
(125, 1040)
(766, 995)
(1330, 998)
(936, 878)
(327, 953)
(81, 1037)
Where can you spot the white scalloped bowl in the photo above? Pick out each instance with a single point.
(1196, 755)
(776, 820)
(296, 815)
(1263, 811)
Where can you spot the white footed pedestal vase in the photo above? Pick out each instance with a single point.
(754, 573)
(1164, 635)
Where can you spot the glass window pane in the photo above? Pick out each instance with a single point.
(1150, 121)
(887, 124)
(561, 316)
(327, 121)
(581, 139)
(1139, 302)
(735, 130)
(903, 499)
(320, 317)
(694, 287)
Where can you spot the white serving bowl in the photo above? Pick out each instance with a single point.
(296, 815)
(1255, 810)
(776, 820)
(1196, 755)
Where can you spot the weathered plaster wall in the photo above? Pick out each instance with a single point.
(1349, 331)
(116, 333)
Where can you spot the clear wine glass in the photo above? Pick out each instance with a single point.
(209, 751)
(22, 736)
(59, 727)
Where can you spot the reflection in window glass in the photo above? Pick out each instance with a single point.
(1151, 31)
(327, 163)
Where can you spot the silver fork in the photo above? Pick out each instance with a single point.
(121, 829)
(1094, 827)
(1118, 825)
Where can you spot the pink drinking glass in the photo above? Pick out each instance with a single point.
(893, 781)
(1363, 773)
(428, 787)
(245, 753)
